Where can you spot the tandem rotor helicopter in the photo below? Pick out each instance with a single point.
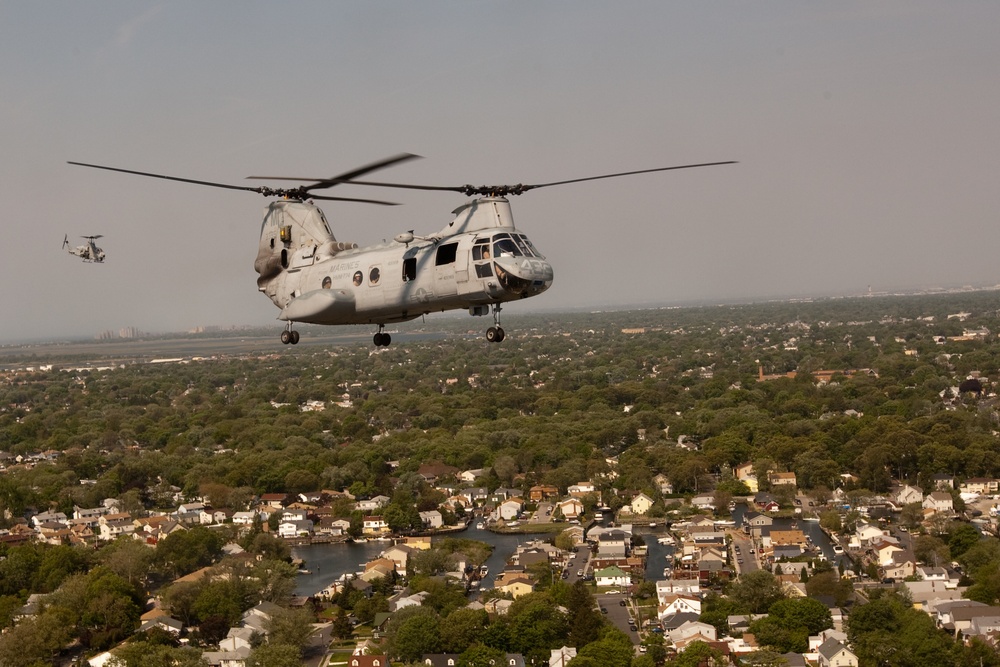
(88, 252)
(478, 261)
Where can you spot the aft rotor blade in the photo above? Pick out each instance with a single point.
(169, 178)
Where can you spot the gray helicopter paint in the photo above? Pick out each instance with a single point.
(313, 278)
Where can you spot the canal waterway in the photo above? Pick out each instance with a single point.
(327, 562)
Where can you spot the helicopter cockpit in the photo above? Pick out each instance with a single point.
(518, 265)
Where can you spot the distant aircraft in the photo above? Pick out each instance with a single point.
(89, 252)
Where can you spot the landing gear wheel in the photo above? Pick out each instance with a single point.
(495, 334)
(377, 339)
(294, 338)
(286, 337)
(386, 339)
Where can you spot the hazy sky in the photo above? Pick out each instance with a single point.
(867, 135)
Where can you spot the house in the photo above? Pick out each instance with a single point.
(939, 501)
(508, 510)
(943, 481)
(581, 489)
(374, 525)
(571, 508)
(832, 653)
(664, 484)
(612, 576)
(400, 555)
(885, 552)
(367, 661)
(641, 503)
(980, 485)
(470, 476)
(273, 501)
(235, 658)
(746, 474)
(432, 519)
(908, 494)
(704, 501)
(678, 604)
(372, 504)
(782, 479)
(542, 492)
(290, 529)
(561, 657)
(515, 585)
(693, 629)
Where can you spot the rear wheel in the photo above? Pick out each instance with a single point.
(286, 337)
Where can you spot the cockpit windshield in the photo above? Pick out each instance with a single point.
(532, 250)
(514, 245)
(504, 246)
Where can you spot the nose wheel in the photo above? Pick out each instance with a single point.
(288, 336)
(382, 339)
(495, 334)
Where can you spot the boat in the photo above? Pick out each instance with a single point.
(480, 526)
(303, 570)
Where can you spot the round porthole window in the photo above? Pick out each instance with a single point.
(373, 276)
(358, 277)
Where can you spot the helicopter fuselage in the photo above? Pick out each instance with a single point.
(479, 260)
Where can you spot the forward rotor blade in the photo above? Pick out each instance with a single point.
(504, 190)
(354, 199)
(626, 173)
(346, 177)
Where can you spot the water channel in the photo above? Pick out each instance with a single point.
(327, 562)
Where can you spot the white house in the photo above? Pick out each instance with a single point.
(612, 576)
(509, 509)
(641, 503)
(909, 494)
(571, 508)
(834, 654)
(939, 501)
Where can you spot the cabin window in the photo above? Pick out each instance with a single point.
(358, 278)
(481, 250)
(409, 269)
(484, 271)
(446, 254)
(327, 283)
(374, 275)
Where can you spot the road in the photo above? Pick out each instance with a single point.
(743, 560)
(619, 615)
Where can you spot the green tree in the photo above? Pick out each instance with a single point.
(462, 628)
(756, 591)
(478, 655)
(275, 655)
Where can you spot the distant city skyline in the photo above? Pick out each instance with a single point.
(864, 134)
